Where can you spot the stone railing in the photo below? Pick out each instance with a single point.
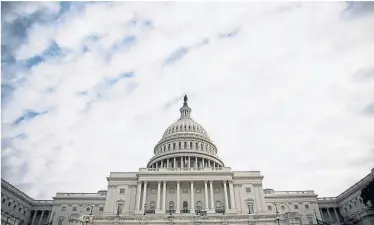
(200, 169)
(43, 202)
(79, 195)
(327, 199)
(293, 192)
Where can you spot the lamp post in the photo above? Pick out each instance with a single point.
(91, 209)
(197, 209)
(277, 212)
(223, 208)
(145, 205)
(249, 204)
(53, 215)
(170, 208)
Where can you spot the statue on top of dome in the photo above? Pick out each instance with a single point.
(185, 98)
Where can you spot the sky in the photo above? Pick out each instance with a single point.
(282, 88)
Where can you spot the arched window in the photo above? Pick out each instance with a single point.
(197, 147)
(152, 205)
(180, 145)
(201, 146)
(168, 147)
(185, 145)
(171, 205)
(190, 145)
(218, 204)
(185, 128)
(173, 145)
(193, 128)
(185, 205)
(176, 128)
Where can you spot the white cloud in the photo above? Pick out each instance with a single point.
(280, 96)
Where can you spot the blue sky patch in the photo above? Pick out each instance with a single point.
(176, 55)
(28, 115)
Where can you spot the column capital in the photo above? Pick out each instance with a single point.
(145, 182)
(211, 181)
(191, 181)
(158, 182)
(139, 182)
(205, 181)
(178, 181)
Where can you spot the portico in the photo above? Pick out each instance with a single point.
(179, 196)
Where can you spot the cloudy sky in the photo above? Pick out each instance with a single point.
(284, 88)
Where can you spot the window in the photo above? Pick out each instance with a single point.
(216, 190)
(74, 208)
(198, 190)
(248, 189)
(190, 145)
(24, 213)
(283, 208)
(185, 145)
(171, 190)
(350, 206)
(3, 200)
(152, 205)
(153, 190)
(168, 147)
(185, 205)
(19, 209)
(296, 206)
(171, 205)
(174, 146)
(185, 190)
(14, 207)
(306, 206)
(9, 203)
(269, 208)
(63, 208)
(310, 219)
(198, 205)
(122, 191)
(180, 145)
(355, 204)
(88, 209)
(101, 209)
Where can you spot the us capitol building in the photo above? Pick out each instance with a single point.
(185, 182)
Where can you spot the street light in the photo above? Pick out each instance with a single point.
(223, 207)
(197, 209)
(277, 212)
(145, 205)
(91, 209)
(249, 204)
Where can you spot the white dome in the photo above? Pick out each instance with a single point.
(185, 126)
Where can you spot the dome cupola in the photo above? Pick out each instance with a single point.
(185, 144)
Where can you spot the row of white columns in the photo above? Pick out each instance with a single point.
(329, 214)
(231, 194)
(185, 162)
(41, 217)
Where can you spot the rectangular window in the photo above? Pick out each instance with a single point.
(216, 190)
(171, 190)
(122, 191)
(269, 208)
(296, 206)
(307, 206)
(101, 209)
(153, 190)
(185, 190)
(198, 190)
(74, 209)
(248, 189)
(63, 208)
(310, 219)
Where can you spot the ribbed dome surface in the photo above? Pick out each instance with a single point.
(183, 126)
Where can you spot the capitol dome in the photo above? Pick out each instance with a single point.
(185, 144)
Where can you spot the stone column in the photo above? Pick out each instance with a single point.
(206, 195)
(328, 212)
(138, 193)
(158, 195)
(336, 215)
(164, 197)
(189, 161)
(33, 218)
(225, 190)
(211, 195)
(202, 159)
(175, 163)
(167, 163)
(196, 165)
(178, 197)
(192, 198)
(144, 193)
(41, 217)
(232, 196)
